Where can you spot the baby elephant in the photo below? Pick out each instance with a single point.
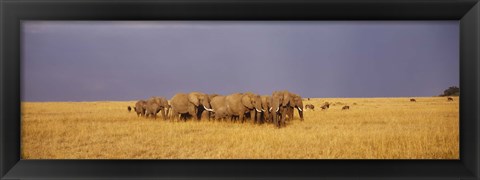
(450, 99)
(345, 107)
(221, 113)
(155, 105)
(413, 100)
(141, 107)
(310, 106)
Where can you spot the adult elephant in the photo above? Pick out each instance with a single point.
(283, 103)
(155, 105)
(140, 107)
(278, 111)
(193, 103)
(240, 103)
(295, 103)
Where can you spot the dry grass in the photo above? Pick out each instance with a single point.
(374, 128)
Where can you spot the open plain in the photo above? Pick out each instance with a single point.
(373, 128)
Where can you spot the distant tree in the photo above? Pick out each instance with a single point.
(451, 91)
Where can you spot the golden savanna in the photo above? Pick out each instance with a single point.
(372, 128)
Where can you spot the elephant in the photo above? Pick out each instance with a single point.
(413, 100)
(221, 113)
(129, 109)
(345, 107)
(240, 103)
(289, 101)
(449, 99)
(297, 103)
(283, 104)
(140, 107)
(155, 105)
(267, 107)
(218, 102)
(193, 103)
(278, 109)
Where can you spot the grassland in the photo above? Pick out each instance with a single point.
(373, 128)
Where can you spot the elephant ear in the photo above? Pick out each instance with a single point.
(193, 98)
(246, 101)
(288, 99)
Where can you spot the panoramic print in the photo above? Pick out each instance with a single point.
(240, 90)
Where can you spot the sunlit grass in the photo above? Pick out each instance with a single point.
(373, 128)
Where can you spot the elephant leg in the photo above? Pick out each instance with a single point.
(167, 112)
(264, 117)
(267, 117)
(241, 116)
(283, 119)
(278, 121)
(259, 117)
(290, 113)
(300, 113)
(164, 115)
(252, 116)
(193, 112)
(174, 115)
(205, 115)
(274, 119)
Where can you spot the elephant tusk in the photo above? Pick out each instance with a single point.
(300, 109)
(263, 110)
(269, 110)
(258, 110)
(208, 109)
(277, 109)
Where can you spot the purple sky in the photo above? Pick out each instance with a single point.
(128, 60)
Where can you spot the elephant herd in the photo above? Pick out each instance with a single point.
(275, 108)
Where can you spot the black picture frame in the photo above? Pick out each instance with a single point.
(12, 12)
